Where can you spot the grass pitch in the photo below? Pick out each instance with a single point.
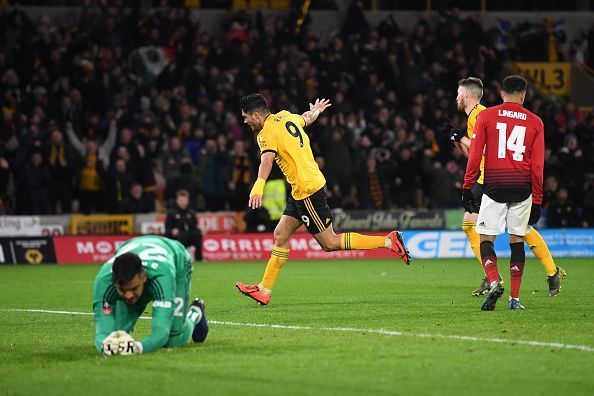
(345, 327)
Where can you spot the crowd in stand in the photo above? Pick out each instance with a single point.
(115, 111)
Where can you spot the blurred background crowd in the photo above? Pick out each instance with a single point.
(117, 110)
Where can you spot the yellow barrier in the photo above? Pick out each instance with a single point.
(551, 78)
(261, 4)
(102, 225)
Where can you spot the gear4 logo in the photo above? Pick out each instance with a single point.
(262, 141)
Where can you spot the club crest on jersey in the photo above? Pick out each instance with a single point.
(106, 308)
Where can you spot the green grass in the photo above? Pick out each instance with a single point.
(54, 354)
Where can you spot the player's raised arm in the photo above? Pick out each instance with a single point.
(314, 110)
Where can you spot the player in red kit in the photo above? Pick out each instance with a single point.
(512, 139)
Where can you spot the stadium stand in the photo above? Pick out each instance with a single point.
(93, 105)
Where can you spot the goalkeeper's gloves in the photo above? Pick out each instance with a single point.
(111, 343)
(127, 346)
(534, 214)
(469, 202)
(258, 188)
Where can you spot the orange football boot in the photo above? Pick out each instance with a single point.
(253, 292)
(398, 247)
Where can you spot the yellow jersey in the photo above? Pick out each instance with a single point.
(283, 134)
(472, 117)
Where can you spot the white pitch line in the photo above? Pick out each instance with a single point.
(584, 348)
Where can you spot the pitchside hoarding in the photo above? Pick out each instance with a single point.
(422, 245)
(27, 250)
(229, 247)
(387, 220)
(87, 248)
(224, 222)
(12, 226)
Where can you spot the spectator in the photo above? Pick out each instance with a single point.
(181, 224)
(406, 189)
(61, 162)
(572, 162)
(214, 170)
(5, 202)
(117, 185)
(95, 162)
(173, 157)
(34, 182)
(372, 191)
(445, 182)
(562, 212)
(242, 174)
(135, 202)
(190, 181)
(551, 185)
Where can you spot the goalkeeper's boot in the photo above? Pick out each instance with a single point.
(492, 296)
(397, 246)
(483, 288)
(555, 281)
(253, 292)
(201, 329)
(514, 303)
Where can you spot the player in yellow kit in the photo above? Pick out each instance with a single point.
(281, 138)
(470, 92)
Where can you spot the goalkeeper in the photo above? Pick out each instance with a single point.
(145, 269)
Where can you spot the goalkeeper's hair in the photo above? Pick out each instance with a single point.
(125, 267)
(472, 84)
(514, 84)
(254, 102)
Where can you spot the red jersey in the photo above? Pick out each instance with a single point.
(514, 153)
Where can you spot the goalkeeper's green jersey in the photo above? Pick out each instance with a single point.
(168, 268)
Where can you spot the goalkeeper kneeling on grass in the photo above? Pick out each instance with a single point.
(145, 269)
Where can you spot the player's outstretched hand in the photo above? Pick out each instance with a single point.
(255, 201)
(320, 105)
(469, 202)
(128, 346)
(111, 343)
(534, 214)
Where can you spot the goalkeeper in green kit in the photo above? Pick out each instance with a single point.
(145, 269)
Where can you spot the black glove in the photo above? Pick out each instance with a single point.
(468, 201)
(456, 134)
(534, 214)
